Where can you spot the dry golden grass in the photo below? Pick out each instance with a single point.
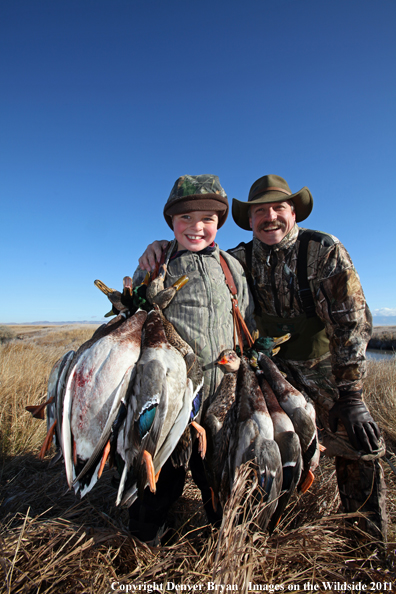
(52, 542)
(380, 394)
(24, 369)
(384, 332)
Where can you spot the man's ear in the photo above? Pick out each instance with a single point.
(250, 222)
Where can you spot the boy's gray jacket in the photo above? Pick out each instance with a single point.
(201, 311)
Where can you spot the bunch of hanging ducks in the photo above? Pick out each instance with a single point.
(132, 395)
(257, 416)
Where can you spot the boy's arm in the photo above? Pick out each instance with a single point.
(152, 254)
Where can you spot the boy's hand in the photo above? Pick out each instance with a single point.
(152, 255)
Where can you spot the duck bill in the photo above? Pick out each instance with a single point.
(281, 339)
(102, 287)
(146, 279)
(183, 280)
(222, 361)
(128, 286)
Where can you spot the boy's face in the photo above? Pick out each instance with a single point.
(195, 230)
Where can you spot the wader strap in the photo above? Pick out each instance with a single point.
(239, 322)
(248, 272)
(304, 291)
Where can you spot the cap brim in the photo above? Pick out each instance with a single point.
(198, 202)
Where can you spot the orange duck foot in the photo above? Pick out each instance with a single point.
(47, 441)
(37, 411)
(148, 460)
(106, 453)
(307, 482)
(201, 438)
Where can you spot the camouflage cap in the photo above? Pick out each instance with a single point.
(197, 192)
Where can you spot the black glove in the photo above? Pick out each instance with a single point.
(362, 430)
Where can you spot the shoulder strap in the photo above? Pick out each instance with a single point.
(307, 300)
(239, 322)
(247, 266)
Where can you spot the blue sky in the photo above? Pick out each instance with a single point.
(105, 103)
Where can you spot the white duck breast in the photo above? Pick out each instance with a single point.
(158, 396)
(92, 385)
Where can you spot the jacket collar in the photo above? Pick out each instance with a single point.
(288, 241)
(208, 251)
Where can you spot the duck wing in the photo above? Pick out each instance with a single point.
(165, 450)
(182, 452)
(289, 447)
(92, 384)
(302, 415)
(92, 466)
(253, 441)
(266, 462)
(219, 423)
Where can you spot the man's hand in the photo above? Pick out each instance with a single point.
(362, 430)
(152, 255)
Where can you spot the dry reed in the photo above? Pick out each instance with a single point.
(54, 543)
(380, 394)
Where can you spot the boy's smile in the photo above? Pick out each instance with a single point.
(195, 230)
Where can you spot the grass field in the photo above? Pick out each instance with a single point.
(53, 542)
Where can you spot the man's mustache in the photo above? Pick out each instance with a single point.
(278, 224)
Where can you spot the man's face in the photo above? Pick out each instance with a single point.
(271, 221)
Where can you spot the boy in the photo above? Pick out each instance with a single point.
(202, 315)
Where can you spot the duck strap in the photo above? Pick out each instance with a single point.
(239, 322)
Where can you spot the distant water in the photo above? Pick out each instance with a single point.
(377, 355)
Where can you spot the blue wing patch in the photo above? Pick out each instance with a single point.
(196, 405)
(146, 419)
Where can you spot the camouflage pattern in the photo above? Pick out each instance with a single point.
(188, 185)
(341, 305)
(315, 380)
(362, 488)
(201, 311)
(335, 285)
(360, 476)
(194, 193)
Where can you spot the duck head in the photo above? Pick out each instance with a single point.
(229, 361)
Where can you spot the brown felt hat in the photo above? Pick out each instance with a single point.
(272, 188)
(197, 192)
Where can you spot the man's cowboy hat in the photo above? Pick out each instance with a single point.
(272, 188)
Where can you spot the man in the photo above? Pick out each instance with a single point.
(304, 282)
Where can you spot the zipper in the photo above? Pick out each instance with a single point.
(205, 275)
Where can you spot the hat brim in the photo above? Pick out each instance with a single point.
(302, 200)
(198, 202)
